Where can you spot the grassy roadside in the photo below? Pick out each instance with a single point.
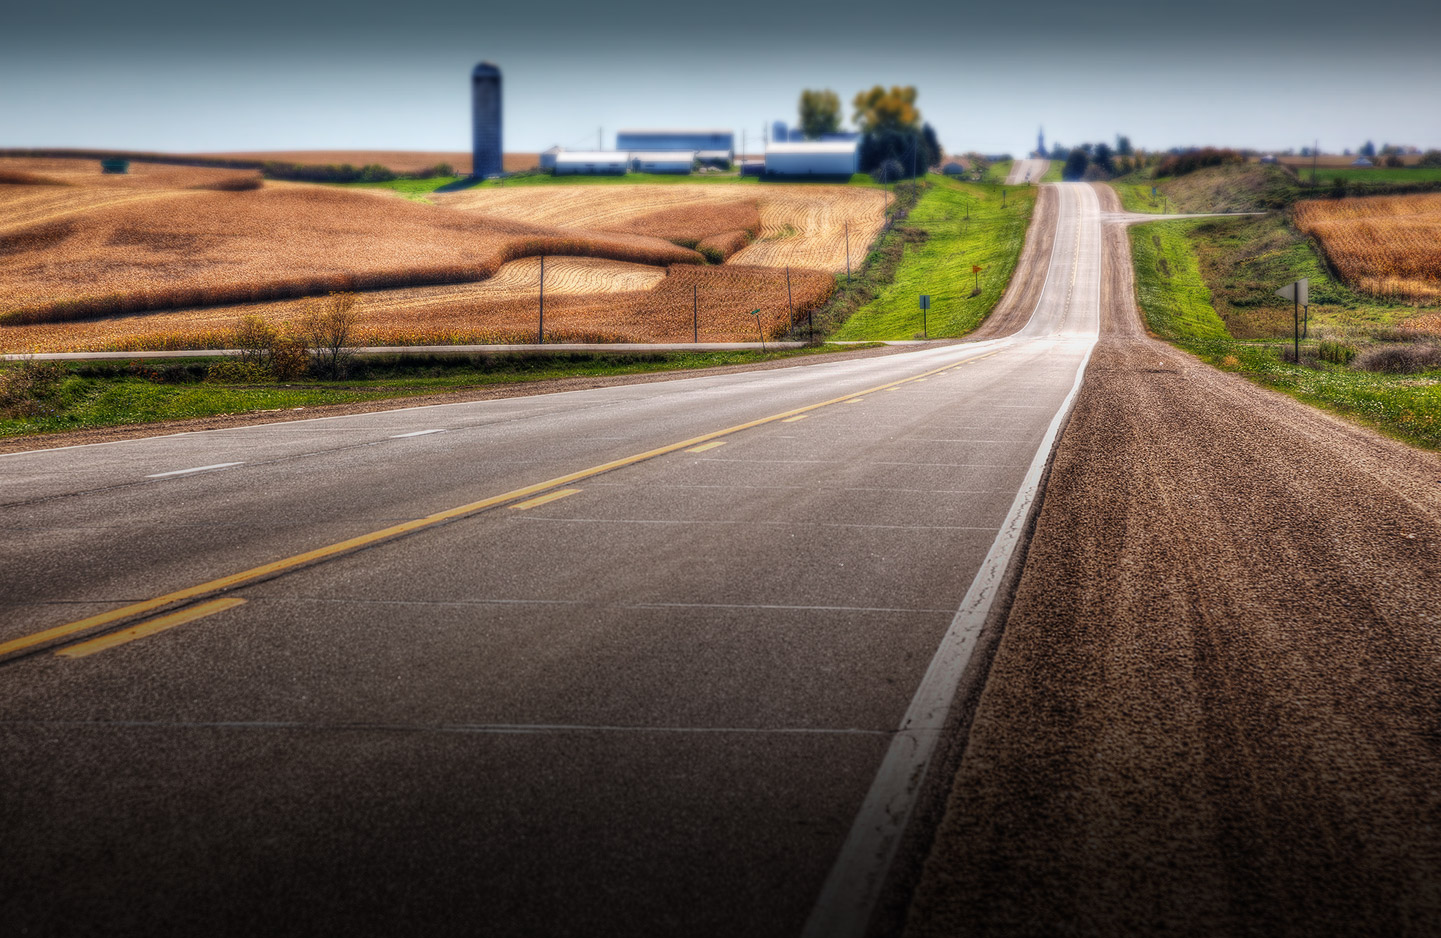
(938, 261)
(38, 397)
(1177, 303)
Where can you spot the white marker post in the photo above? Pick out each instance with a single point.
(1299, 293)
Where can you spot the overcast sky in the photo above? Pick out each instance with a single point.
(186, 76)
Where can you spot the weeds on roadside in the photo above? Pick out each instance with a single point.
(26, 389)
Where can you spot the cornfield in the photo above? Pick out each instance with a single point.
(648, 305)
(1384, 245)
(169, 258)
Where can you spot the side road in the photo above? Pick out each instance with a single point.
(1214, 707)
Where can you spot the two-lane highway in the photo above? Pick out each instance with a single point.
(658, 659)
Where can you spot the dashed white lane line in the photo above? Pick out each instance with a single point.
(401, 436)
(182, 472)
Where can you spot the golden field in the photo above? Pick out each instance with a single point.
(644, 304)
(800, 225)
(1385, 245)
(171, 257)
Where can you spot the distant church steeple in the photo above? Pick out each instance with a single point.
(1041, 142)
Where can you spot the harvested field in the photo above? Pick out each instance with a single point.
(800, 225)
(399, 161)
(277, 242)
(691, 224)
(647, 305)
(1385, 245)
(87, 174)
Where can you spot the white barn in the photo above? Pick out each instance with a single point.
(591, 163)
(813, 158)
(662, 161)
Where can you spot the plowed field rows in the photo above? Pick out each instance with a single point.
(801, 225)
(1387, 245)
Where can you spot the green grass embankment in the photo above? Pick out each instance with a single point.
(43, 397)
(940, 264)
(1176, 299)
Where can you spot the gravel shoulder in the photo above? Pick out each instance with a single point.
(1213, 710)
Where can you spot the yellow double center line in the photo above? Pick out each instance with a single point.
(263, 571)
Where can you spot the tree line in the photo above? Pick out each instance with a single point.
(895, 142)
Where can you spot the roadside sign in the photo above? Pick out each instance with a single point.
(1298, 292)
(925, 301)
(1153, 192)
(975, 268)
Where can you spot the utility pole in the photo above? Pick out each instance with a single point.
(1315, 154)
(599, 137)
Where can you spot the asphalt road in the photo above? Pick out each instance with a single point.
(635, 668)
(1028, 170)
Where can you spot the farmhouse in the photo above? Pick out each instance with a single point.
(813, 158)
(591, 163)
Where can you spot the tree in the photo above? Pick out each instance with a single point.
(820, 113)
(879, 110)
(329, 325)
(1123, 146)
(1076, 164)
(1368, 149)
(908, 149)
(1101, 156)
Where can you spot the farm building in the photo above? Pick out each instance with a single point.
(708, 144)
(591, 163)
(547, 157)
(814, 158)
(662, 161)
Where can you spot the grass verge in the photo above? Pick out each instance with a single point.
(938, 246)
(1176, 299)
(43, 397)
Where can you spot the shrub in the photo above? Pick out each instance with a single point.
(1430, 158)
(1338, 353)
(237, 371)
(254, 337)
(1401, 359)
(1179, 164)
(289, 355)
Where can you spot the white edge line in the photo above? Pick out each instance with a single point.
(181, 472)
(401, 436)
(853, 886)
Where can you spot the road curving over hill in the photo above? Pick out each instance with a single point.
(1214, 709)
